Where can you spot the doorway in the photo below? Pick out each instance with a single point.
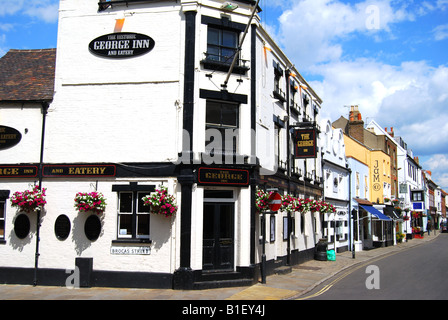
(218, 233)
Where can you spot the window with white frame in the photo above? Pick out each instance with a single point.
(133, 216)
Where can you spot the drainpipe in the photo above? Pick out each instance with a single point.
(350, 214)
(45, 107)
(288, 164)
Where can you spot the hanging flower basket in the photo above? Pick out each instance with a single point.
(161, 202)
(261, 200)
(92, 201)
(325, 207)
(289, 203)
(29, 200)
(292, 204)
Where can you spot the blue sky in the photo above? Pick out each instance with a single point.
(387, 56)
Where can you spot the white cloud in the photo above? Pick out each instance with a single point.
(412, 96)
(8, 7)
(47, 13)
(438, 165)
(45, 10)
(311, 30)
(440, 32)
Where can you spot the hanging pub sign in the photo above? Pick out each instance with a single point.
(305, 143)
(121, 45)
(223, 176)
(9, 137)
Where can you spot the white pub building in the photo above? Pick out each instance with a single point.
(191, 98)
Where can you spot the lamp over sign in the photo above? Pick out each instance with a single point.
(229, 6)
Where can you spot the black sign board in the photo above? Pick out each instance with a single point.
(79, 171)
(18, 171)
(9, 137)
(305, 143)
(223, 176)
(121, 45)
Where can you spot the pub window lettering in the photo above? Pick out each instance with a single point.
(133, 216)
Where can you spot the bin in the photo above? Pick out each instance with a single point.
(320, 252)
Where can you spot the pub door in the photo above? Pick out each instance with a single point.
(218, 238)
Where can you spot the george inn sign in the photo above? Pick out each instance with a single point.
(121, 45)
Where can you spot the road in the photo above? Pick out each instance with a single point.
(419, 273)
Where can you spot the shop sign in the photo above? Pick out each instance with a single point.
(79, 171)
(9, 137)
(223, 176)
(18, 171)
(305, 143)
(130, 250)
(121, 45)
(376, 176)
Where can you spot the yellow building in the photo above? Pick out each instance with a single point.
(380, 181)
(368, 148)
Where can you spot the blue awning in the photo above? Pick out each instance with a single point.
(376, 213)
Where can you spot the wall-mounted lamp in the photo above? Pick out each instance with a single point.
(229, 6)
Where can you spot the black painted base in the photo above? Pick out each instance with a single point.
(181, 279)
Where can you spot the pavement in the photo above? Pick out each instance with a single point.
(295, 285)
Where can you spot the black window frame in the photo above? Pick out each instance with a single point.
(223, 127)
(224, 25)
(417, 196)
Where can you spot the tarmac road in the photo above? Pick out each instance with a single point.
(419, 273)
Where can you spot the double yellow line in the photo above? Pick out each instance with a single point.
(328, 286)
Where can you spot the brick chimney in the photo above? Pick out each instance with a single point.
(391, 133)
(356, 125)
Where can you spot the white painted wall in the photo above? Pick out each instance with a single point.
(116, 110)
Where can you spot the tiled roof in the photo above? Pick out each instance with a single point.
(27, 75)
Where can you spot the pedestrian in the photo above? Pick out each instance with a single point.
(428, 227)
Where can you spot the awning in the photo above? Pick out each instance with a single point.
(376, 213)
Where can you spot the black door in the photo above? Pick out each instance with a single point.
(218, 236)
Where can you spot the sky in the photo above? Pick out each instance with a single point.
(389, 57)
